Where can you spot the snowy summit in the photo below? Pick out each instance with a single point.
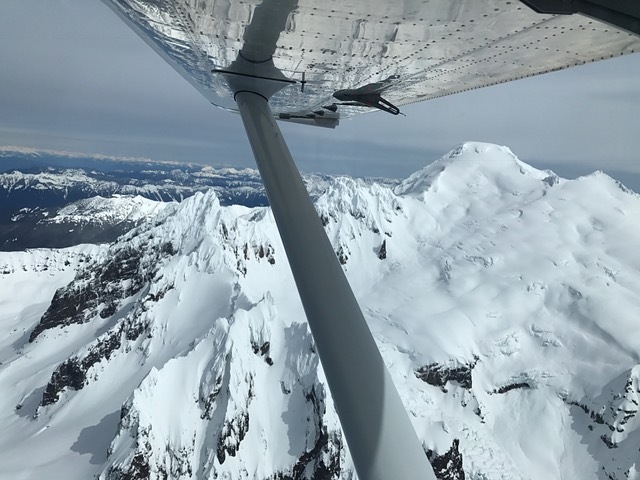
(505, 301)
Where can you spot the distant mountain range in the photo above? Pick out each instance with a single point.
(504, 301)
(38, 189)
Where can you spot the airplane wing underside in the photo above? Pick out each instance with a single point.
(341, 58)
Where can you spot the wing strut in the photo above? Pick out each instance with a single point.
(381, 439)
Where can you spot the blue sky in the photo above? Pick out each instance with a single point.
(74, 78)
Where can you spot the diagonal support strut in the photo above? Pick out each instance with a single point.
(381, 439)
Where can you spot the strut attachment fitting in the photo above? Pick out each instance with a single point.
(374, 100)
(369, 96)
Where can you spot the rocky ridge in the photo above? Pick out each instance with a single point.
(182, 345)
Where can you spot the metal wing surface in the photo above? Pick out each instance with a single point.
(401, 51)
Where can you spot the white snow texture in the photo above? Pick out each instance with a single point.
(181, 350)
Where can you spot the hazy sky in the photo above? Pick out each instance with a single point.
(74, 77)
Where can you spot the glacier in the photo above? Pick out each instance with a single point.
(505, 301)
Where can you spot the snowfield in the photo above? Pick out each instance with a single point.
(505, 301)
(110, 211)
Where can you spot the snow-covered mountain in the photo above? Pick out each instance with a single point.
(35, 186)
(505, 301)
(160, 185)
(117, 208)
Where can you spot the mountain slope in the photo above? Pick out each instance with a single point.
(43, 186)
(504, 300)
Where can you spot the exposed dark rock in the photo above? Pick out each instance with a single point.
(357, 214)
(232, 435)
(124, 264)
(607, 415)
(72, 373)
(438, 375)
(447, 466)
(286, 390)
(234, 431)
(608, 442)
(160, 295)
(120, 277)
(124, 411)
(321, 471)
(167, 248)
(243, 252)
(269, 253)
(67, 307)
(597, 417)
(512, 386)
(69, 374)
(263, 351)
(342, 256)
(133, 330)
(241, 267)
(311, 464)
(138, 469)
(382, 253)
(108, 310)
(584, 408)
(179, 464)
(125, 272)
(103, 349)
(208, 402)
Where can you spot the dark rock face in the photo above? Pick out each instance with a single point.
(608, 442)
(72, 373)
(138, 469)
(245, 252)
(438, 375)
(447, 466)
(322, 462)
(100, 289)
(262, 351)
(313, 457)
(69, 374)
(382, 253)
(207, 401)
(612, 411)
(232, 434)
(512, 386)
(107, 284)
(234, 431)
(342, 256)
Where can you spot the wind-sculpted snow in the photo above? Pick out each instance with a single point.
(504, 300)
